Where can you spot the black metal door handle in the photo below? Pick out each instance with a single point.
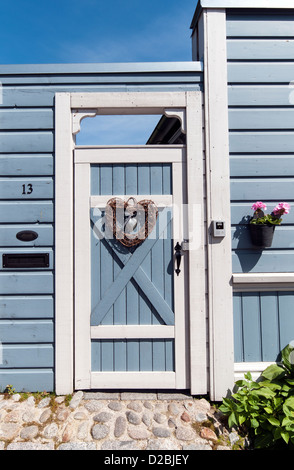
(178, 254)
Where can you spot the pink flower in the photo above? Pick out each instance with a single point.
(281, 208)
(257, 206)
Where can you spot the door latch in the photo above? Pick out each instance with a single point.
(178, 254)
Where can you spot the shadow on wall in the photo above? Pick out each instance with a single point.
(244, 244)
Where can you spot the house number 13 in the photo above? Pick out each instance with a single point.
(27, 188)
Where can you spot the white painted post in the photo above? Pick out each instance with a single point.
(63, 245)
(221, 341)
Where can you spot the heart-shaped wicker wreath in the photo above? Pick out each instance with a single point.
(119, 214)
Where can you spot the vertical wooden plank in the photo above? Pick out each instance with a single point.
(286, 317)
(218, 204)
(251, 327)
(158, 354)
(106, 179)
(95, 180)
(95, 263)
(169, 355)
(144, 188)
(63, 245)
(269, 316)
(166, 178)
(119, 307)
(120, 355)
(133, 355)
(156, 184)
(96, 356)
(238, 328)
(132, 297)
(107, 356)
(145, 348)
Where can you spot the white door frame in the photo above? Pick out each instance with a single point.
(85, 378)
(70, 108)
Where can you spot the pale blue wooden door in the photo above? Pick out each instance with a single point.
(132, 289)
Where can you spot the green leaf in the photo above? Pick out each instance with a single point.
(265, 392)
(285, 436)
(268, 410)
(288, 358)
(248, 376)
(273, 421)
(273, 372)
(254, 423)
(232, 421)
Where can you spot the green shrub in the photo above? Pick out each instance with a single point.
(265, 408)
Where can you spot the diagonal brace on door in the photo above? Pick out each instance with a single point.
(132, 269)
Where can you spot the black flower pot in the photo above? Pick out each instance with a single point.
(262, 235)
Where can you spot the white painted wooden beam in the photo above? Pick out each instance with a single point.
(221, 350)
(63, 245)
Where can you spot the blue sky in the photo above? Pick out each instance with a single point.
(75, 31)
(98, 31)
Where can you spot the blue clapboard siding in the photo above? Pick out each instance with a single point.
(260, 95)
(275, 165)
(26, 165)
(260, 25)
(260, 58)
(8, 235)
(26, 211)
(26, 306)
(26, 188)
(27, 157)
(133, 355)
(27, 380)
(26, 331)
(40, 355)
(27, 142)
(263, 325)
(261, 140)
(26, 282)
(26, 119)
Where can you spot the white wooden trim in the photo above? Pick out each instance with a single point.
(134, 154)
(263, 282)
(256, 368)
(107, 103)
(82, 277)
(288, 4)
(180, 283)
(263, 278)
(63, 245)
(221, 350)
(128, 102)
(196, 254)
(132, 331)
(159, 200)
(134, 380)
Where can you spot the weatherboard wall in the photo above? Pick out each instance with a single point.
(27, 197)
(260, 61)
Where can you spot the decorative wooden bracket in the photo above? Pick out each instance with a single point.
(78, 116)
(179, 114)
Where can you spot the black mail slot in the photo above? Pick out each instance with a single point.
(25, 260)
